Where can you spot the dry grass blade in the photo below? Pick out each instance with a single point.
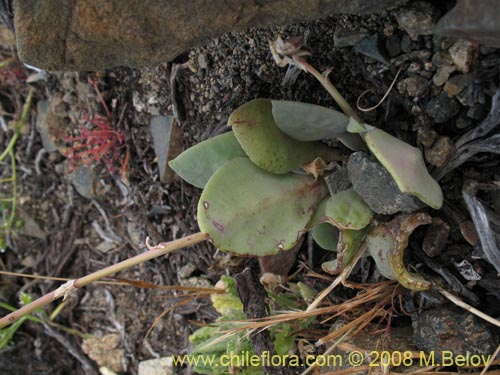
(490, 362)
(457, 301)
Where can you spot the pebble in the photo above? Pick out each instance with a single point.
(202, 61)
(105, 351)
(436, 237)
(417, 19)
(440, 152)
(452, 329)
(442, 108)
(413, 86)
(426, 136)
(461, 53)
(367, 176)
(158, 366)
(371, 47)
(456, 84)
(406, 45)
(442, 58)
(469, 233)
(442, 74)
(347, 38)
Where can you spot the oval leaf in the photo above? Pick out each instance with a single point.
(246, 210)
(310, 122)
(198, 163)
(347, 210)
(269, 147)
(404, 162)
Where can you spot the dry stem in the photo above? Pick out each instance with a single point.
(70, 285)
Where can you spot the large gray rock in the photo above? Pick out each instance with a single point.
(473, 20)
(98, 34)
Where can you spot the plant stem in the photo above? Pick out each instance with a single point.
(332, 90)
(67, 287)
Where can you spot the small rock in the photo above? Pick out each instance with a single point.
(137, 102)
(186, 270)
(456, 84)
(413, 86)
(105, 351)
(442, 108)
(469, 233)
(42, 108)
(367, 176)
(337, 180)
(83, 179)
(442, 58)
(202, 61)
(393, 45)
(371, 47)
(347, 38)
(160, 366)
(406, 45)
(451, 329)
(417, 19)
(426, 136)
(467, 270)
(440, 152)
(436, 237)
(442, 74)
(461, 53)
(196, 282)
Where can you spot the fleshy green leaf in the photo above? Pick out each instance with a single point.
(310, 122)
(326, 236)
(387, 242)
(247, 210)
(404, 162)
(198, 163)
(347, 210)
(269, 147)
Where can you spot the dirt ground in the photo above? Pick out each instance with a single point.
(65, 234)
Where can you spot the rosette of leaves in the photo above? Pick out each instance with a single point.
(254, 200)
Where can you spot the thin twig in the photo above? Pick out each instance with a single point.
(63, 290)
(457, 301)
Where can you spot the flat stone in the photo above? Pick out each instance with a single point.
(100, 34)
(417, 19)
(452, 329)
(426, 136)
(167, 143)
(442, 108)
(377, 187)
(461, 53)
(347, 38)
(372, 47)
(472, 20)
(160, 366)
(83, 179)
